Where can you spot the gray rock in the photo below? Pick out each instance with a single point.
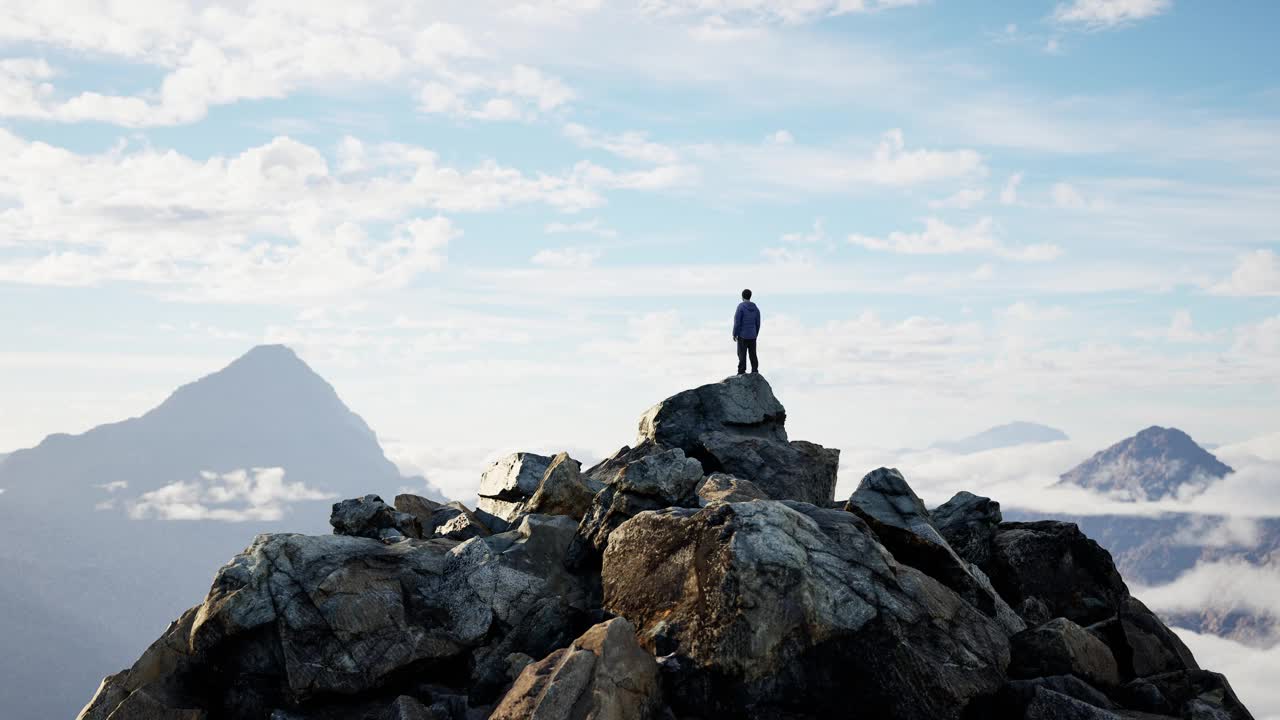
(653, 482)
(777, 608)
(1013, 698)
(721, 487)
(899, 518)
(1050, 568)
(455, 522)
(603, 675)
(738, 427)
(1046, 704)
(1061, 647)
(370, 517)
(968, 522)
(1142, 644)
(1195, 694)
(562, 491)
(509, 482)
(296, 617)
(421, 508)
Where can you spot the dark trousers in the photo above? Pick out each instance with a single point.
(746, 346)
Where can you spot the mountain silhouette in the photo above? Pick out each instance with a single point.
(1003, 436)
(137, 510)
(1156, 463)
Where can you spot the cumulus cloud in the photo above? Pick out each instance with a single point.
(251, 494)
(1100, 14)
(1256, 274)
(940, 238)
(274, 222)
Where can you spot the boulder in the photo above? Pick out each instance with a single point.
(1016, 695)
(1142, 644)
(968, 522)
(1193, 694)
(1061, 647)
(421, 508)
(653, 482)
(899, 518)
(1046, 704)
(295, 619)
(370, 517)
(561, 491)
(603, 675)
(721, 487)
(455, 522)
(737, 426)
(509, 482)
(1051, 568)
(768, 608)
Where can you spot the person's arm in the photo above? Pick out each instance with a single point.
(737, 321)
(759, 319)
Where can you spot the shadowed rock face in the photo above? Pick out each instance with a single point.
(676, 595)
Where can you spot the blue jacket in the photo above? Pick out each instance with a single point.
(746, 321)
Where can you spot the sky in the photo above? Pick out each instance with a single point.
(500, 226)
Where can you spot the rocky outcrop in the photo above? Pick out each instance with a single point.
(767, 608)
(738, 427)
(661, 584)
(603, 675)
(370, 517)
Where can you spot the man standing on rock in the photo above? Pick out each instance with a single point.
(746, 328)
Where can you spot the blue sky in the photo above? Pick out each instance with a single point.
(495, 226)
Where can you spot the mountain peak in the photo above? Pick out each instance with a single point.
(1155, 463)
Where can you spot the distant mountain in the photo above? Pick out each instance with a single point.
(1156, 463)
(1003, 436)
(140, 510)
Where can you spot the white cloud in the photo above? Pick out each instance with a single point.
(1223, 586)
(961, 199)
(1009, 194)
(630, 145)
(113, 486)
(1257, 273)
(568, 257)
(252, 494)
(1181, 329)
(1108, 13)
(273, 223)
(816, 236)
(939, 238)
(784, 11)
(591, 227)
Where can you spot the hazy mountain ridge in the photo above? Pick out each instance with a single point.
(191, 457)
(1003, 436)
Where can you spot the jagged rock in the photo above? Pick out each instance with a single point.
(1046, 704)
(1016, 695)
(727, 488)
(370, 517)
(603, 675)
(455, 522)
(1193, 694)
(968, 522)
(653, 482)
(1143, 645)
(1054, 565)
(1061, 647)
(562, 491)
(899, 518)
(423, 509)
(1009, 619)
(737, 427)
(607, 471)
(509, 482)
(296, 617)
(786, 608)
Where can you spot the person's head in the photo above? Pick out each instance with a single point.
(746, 294)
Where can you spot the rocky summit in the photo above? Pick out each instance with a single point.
(706, 572)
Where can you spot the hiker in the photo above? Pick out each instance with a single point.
(746, 328)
